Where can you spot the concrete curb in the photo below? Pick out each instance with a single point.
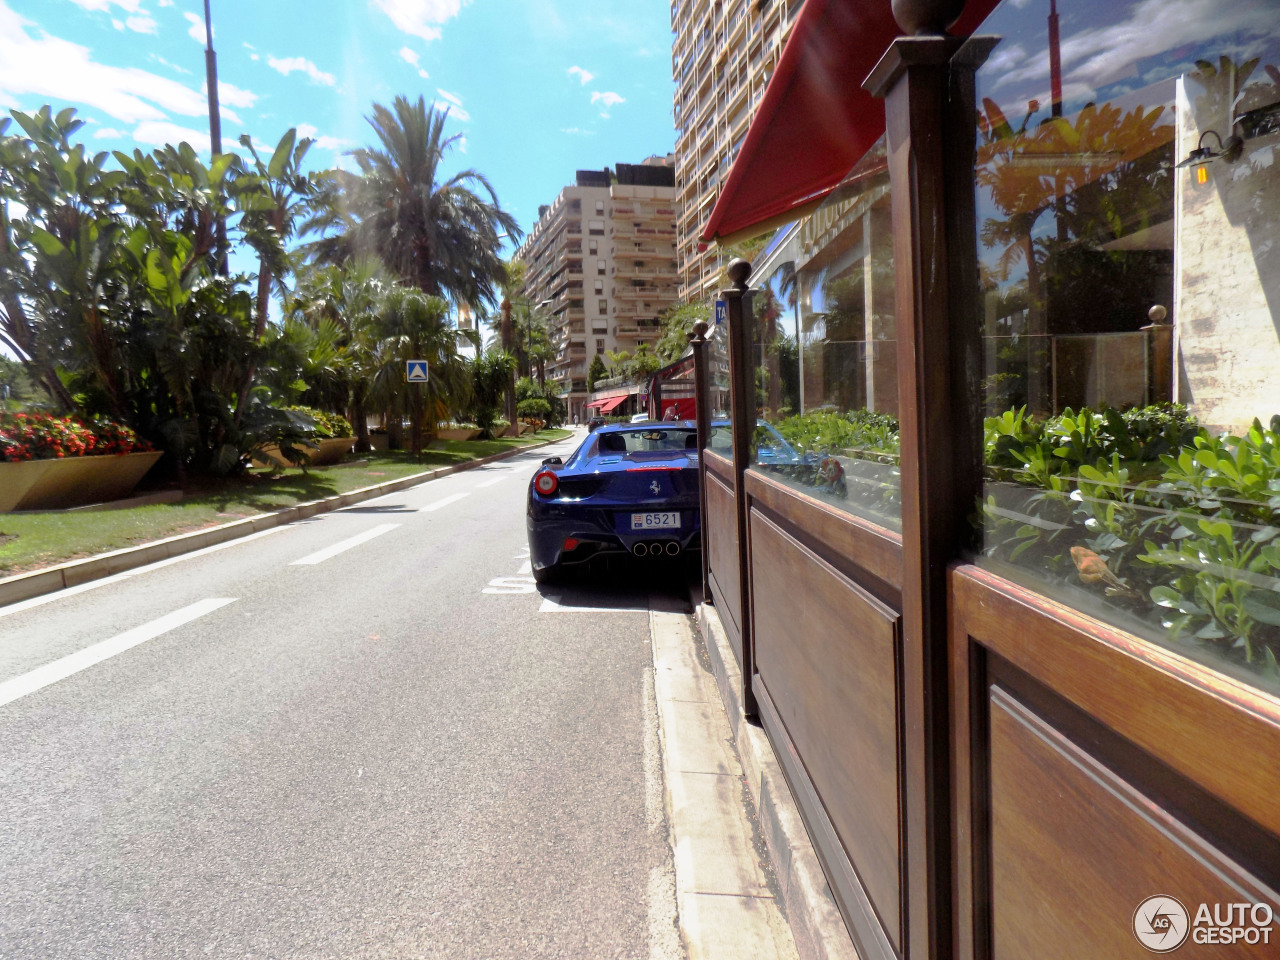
(24, 586)
(816, 924)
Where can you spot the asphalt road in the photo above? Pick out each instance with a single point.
(361, 735)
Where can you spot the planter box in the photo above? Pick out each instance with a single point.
(459, 433)
(332, 450)
(71, 482)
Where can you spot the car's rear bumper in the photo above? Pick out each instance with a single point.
(597, 532)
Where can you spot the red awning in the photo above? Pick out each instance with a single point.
(815, 121)
(608, 405)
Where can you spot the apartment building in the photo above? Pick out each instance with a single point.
(721, 59)
(602, 261)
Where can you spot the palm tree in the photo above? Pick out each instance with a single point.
(412, 326)
(349, 295)
(442, 236)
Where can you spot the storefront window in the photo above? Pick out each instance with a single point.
(1128, 235)
(826, 384)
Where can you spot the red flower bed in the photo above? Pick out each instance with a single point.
(38, 436)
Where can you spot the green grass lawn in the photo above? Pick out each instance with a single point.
(30, 541)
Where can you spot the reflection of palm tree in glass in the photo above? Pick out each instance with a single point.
(1103, 172)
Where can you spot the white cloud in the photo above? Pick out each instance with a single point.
(128, 94)
(320, 140)
(107, 132)
(129, 6)
(171, 66)
(232, 95)
(420, 18)
(607, 97)
(453, 103)
(584, 76)
(1096, 57)
(455, 111)
(157, 133)
(288, 65)
(196, 30)
(141, 24)
(461, 144)
(118, 24)
(411, 57)
(577, 131)
(164, 3)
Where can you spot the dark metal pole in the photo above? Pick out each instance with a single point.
(742, 394)
(215, 123)
(702, 411)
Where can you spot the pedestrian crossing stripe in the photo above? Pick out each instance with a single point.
(416, 371)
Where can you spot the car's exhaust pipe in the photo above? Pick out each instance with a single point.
(640, 549)
(673, 548)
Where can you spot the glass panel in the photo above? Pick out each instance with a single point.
(1128, 232)
(825, 351)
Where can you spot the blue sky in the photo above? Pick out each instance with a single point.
(538, 88)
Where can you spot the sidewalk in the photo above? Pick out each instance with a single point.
(749, 884)
(725, 894)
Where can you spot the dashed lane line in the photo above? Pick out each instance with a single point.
(51, 673)
(432, 507)
(342, 545)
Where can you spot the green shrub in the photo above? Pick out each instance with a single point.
(327, 424)
(534, 408)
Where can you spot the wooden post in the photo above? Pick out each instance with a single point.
(702, 410)
(742, 402)
(940, 472)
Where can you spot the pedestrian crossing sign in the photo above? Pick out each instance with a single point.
(415, 371)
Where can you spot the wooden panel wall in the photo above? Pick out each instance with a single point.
(1080, 788)
(720, 540)
(828, 655)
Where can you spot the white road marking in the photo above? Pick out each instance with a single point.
(556, 604)
(492, 480)
(442, 503)
(526, 569)
(50, 673)
(332, 551)
(510, 585)
(135, 572)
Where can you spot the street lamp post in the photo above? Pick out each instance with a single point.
(215, 123)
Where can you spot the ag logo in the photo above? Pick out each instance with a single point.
(1161, 924)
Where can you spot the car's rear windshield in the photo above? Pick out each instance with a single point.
(652, 439)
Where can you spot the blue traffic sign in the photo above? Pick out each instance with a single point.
(722, 313)
(415, 371)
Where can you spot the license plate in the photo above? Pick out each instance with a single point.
(656, 521)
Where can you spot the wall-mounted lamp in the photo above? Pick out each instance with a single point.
(1229, 151)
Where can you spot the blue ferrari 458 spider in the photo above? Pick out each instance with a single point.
(629, 488)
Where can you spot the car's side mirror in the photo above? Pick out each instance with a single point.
(551, 460)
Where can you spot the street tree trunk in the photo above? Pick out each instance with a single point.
(360, 419)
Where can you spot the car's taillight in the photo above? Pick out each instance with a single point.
(546, 483)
